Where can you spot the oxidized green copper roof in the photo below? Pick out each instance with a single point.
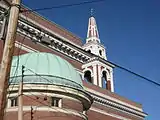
(44, 68)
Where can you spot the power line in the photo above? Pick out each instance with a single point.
(63, 6)
(136, 74)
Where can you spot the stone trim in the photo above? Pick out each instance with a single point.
(52, 41)
(79, 94)
(116, 104)
(108, 114)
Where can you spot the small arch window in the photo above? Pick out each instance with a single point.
(56, 102)
(104, 79)
(87, 76)
(100, 52)
(13, 101)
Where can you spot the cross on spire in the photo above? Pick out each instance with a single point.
(91, 11)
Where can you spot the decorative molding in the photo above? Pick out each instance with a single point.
(24, 47)
(108, 114)
(88, 69)
(101, 61)
(51, 41)
(118, 107)
(107, 72)
(116, 104)
(95, 61)
(58, 89)
(45, 93)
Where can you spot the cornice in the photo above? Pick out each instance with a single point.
(117, 104)
(82, 95)
(108, 113)
(54, 42)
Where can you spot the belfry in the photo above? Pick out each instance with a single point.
(97, 71)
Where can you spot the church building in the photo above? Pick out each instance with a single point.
(63, 79)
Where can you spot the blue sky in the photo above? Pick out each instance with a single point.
(130, 30)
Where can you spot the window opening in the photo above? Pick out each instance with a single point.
(104, 79)
(100, 52)
(56, 102)
(87, 76)
(13, 101)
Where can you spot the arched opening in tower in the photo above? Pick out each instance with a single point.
(100, 52)
(87, 76)
(104, 79)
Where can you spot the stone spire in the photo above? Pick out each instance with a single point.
(93, 44)
(92, 34)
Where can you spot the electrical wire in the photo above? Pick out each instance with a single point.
(63, 6)
(136, 74)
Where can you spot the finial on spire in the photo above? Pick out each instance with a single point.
(91, 11)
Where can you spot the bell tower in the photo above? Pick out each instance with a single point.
(98, 70)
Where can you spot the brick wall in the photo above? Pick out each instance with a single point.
(97, 116)
(72, 104)
(111, 94)
(42, 115)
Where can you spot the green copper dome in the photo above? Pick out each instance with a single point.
(44, 68)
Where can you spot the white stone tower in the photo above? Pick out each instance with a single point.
(98, 70)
